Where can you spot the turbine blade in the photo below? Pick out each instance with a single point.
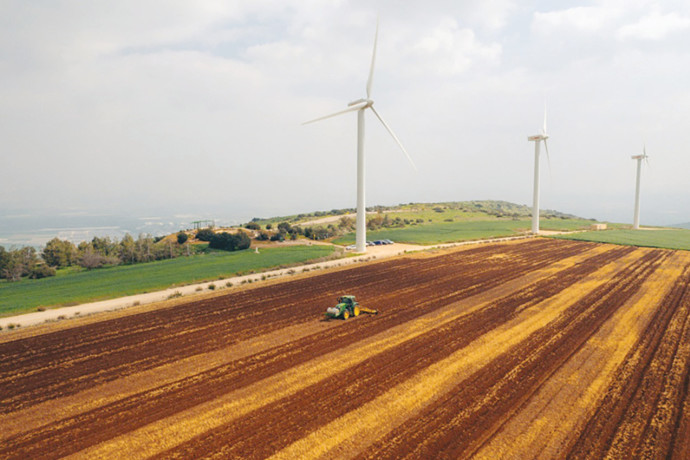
(385, 125)
(548, 158)
(543, 130)
(370, 81)
(349, 109)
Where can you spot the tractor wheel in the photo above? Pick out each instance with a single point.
(356, 312)
(346, 314)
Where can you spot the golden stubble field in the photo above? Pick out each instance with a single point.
(531, 349)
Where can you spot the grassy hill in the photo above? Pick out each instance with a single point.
(432, 223)
(471, 210)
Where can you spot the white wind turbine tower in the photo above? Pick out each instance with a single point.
(360, 105)
(639, 158)
(537, 138)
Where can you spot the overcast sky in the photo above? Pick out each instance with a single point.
(196, 107)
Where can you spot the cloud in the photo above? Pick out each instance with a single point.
(584, 18)
(654, 26)
(451, 50)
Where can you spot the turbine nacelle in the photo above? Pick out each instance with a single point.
(640, 157)
(363, 102)
(538, 137)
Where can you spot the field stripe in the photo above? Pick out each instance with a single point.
(345, 436)
(543, 427)
(171, 431)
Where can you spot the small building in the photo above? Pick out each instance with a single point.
(598, 227)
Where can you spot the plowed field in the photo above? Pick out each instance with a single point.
(532, 349)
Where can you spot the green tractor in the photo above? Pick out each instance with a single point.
(347, 306)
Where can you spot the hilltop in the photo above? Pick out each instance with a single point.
(468, 210)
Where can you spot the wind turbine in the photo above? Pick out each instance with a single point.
(639, 158)
(360, 105)
(537, 138)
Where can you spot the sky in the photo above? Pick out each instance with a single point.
(168, 107)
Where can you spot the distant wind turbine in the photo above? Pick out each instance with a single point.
(360, 105)
(639, 158)
(537, 138)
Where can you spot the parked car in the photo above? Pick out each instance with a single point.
(379, 242)
(387, 241)
(350, 247)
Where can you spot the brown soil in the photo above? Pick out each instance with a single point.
(175, 364)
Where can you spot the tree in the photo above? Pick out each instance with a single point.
(182, 238)
(4, 260)
(145, 248)
(128, 250)
(252, 226)
(18, 263)
(104, 246)
(59, 253)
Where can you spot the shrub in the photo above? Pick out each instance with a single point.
(252, 226)
(205, 234)
(182, 238)
(230, 241)
(175, 295)
(211, 287)
(41, 271)
(228, 284)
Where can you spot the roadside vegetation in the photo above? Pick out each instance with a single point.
(76, 285)
(653, 238)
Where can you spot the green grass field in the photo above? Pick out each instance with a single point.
(447, 232)
(106, 283)
(662, 238)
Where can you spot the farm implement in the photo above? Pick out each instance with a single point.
(347, 306)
